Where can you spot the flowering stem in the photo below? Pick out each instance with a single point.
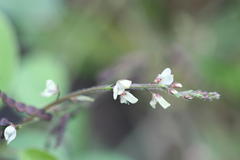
(135, 86)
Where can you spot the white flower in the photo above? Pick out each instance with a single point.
(51, 89)
(120, 87)
(127, 98)
(157, 98)
(10, 133)
(165, 78)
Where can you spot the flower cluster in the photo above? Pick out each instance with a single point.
(190, 94)
(10, 131)
(125, 96)
(165, 79)
(163, 82)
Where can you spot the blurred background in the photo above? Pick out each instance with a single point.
(81, 43)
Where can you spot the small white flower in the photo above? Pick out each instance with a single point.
(157, 98)
(10, 133)
(165, 78)
(51, 89)
(120, 87)
(127, 98)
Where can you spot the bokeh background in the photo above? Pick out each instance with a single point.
(81, 43)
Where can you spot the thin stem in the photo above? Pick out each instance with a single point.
(149, 87)
(85, 91)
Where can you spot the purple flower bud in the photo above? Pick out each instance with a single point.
(10, 102)
(20, 106)
(5, 122)
(31, 110)
(188, 97)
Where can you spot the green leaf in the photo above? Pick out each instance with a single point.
(31, 78)
(78, 127)
(31, 17)
(8, 53)
(35, 154)
(22, 141)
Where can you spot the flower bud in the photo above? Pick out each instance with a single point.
(188, 97)
(10, 133)
(177, 85)
(173, 91)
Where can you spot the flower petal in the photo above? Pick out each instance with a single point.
(127, 98)
(123, 100)
(115, 92)
(162, 102)
(51, 85)
(124, 83)
(153, 103)
(166, 72)
(167, 80)
(10, 133)
(46, 93)
(120, 87)
(51, 89)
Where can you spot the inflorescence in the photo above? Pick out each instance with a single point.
(164, 82)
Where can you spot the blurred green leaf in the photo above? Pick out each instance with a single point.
(221, 64)
(41, 139)
(77, 134)
(23, 142)
(32, 16)
(8, 53)
(89, 43)
(34, 154)
(31, 78)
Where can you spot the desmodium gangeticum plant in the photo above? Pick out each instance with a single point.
(164, 82)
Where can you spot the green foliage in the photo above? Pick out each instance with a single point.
(30, 80)
(23, 140)
(77, 134)
(89, 43)
(35, 154)
(30, 20)
(221, 65)
(8, 52)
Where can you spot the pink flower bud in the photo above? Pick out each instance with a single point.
(173, 91)
(177, 85)
(188, 97)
